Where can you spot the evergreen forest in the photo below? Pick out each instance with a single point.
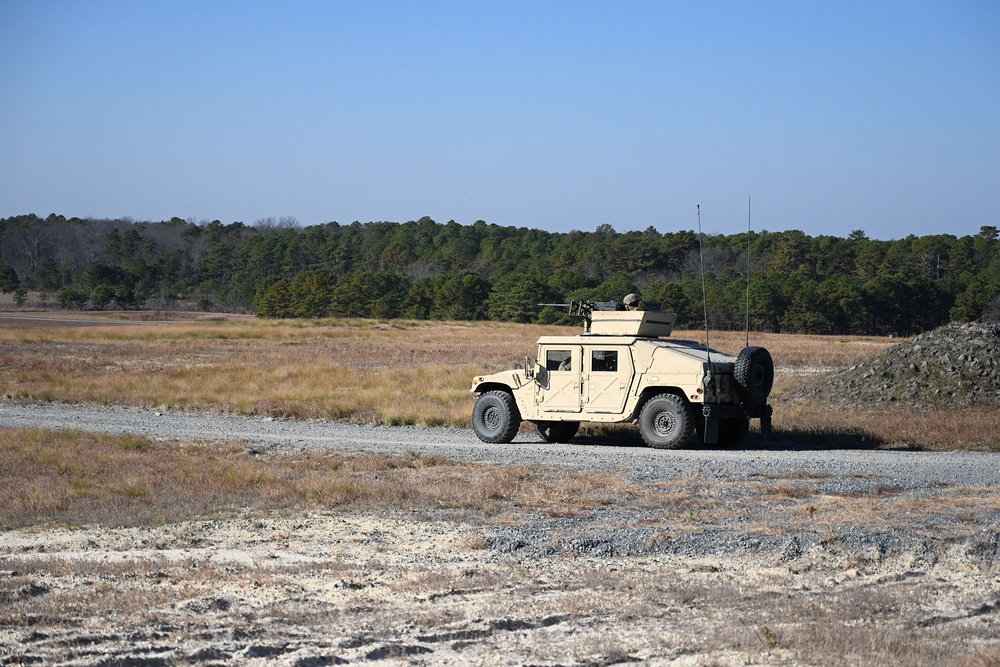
(428, 270)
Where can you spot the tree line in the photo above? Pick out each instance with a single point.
(427, 270)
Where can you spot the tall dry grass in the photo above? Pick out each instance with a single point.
(126, 480)
(360, 370)
(77, 478)
(401, 372)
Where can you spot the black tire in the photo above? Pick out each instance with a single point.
(495, 417)
(666, 422)
(754, 374)
(557, 431)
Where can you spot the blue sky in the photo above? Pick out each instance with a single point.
(832, 116)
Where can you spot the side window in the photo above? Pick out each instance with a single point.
(558, 360)
(604, 361)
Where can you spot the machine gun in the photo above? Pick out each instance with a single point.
(581, 310)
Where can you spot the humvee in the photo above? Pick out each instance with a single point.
(624, 368)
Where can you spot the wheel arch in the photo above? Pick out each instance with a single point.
(493, 386)
(650, 392)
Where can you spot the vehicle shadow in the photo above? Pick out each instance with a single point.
(827, 439)
(781, 440)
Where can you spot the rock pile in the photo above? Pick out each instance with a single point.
(953, 365)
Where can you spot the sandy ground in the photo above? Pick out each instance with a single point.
(413, 588)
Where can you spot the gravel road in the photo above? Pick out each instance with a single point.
(903, 469)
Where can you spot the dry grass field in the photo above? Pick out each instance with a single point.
(73, 478)
(205, 553)
(118, 549)
(395, 372)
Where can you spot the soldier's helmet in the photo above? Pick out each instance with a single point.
(630, 300)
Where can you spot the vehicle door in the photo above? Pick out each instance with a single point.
(559, 389)
(608, 375)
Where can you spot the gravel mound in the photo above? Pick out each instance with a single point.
(953, 365)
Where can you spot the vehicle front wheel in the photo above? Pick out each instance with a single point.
(557, 431)
(495, 417)
(666, 422)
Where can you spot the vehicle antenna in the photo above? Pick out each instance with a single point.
(748, 270)
(704, 290)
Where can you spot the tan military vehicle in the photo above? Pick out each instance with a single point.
(624, 368)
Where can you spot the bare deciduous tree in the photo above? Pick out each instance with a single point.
(272, 224)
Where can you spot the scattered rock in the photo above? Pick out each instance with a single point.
(209, 653)
(264, 651)
(23, 593)
(390, 651)
(320, 661)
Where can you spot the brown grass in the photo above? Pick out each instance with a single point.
(81, 478)
(888, 426)
(839, 619)
(348, 369)
(402, 372)
(359, 370)
(76, 478)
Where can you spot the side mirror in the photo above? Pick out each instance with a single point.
(541, 375)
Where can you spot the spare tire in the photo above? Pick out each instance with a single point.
(754, 373)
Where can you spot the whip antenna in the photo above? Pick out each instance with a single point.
(704, 290)
(748, 270)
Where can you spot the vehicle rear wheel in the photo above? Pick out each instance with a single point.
(495, 417)
(557, 431)
(754, 373)
(666, 421)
